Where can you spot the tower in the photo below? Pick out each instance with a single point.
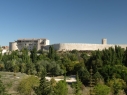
(104, 41)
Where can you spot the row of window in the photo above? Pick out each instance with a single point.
(26, 41)
(27, 44)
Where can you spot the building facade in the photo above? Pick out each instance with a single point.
(28, 43)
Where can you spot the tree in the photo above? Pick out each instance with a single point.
(56, 70)
(77, 86)
(44, 87)
(26, 85)
(52, 86)
(34, 55)
(0, 53)
(117, 85)
(61, 88)
(84, 75)
(101, 89)
(98, 78)
(51, 53)
(30, 68)
(25, 55)
(2, 66)
(22, 67)
(125, 57)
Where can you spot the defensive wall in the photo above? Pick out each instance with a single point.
(82, 46)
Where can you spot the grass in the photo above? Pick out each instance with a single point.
(11, 81)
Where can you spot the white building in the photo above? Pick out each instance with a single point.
(28, 43)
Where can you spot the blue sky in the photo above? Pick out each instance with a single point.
(64, 21)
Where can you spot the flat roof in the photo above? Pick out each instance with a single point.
(31, 39)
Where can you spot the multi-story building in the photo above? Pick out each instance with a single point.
(28, 43)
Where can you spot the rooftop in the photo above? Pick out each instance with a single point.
(31, 39)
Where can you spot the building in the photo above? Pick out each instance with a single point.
(28, 43)
(4, 49)
(84, 46)
(44, 44)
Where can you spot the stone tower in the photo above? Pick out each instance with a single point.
(104, 41)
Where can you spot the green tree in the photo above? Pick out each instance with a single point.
(30, 68)
(77, 86)
(97, 78)
(26, 85)
(2, 66)
(61, 88)
(85, 57)
(22, 67)
(101, 89)
(25, 55)
(117, 85)
(0, 53)
(44, 87)
(84, 75)
(33, 55)
(56, 70)
(52, 86)
(51, 53)
(125, 57)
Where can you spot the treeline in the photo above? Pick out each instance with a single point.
(108, 66)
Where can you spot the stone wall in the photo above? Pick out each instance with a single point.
(81, 46)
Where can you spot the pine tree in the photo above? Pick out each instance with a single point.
(34, 55)
(51, 54)
(61, 88)
(77, 86)
(44, 87)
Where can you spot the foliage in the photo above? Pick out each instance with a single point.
(2, 88)
(106, 64)
(26, 85)
(51, 53)
(44, 87)
(34, 55)
(101, 89)
(117, 85)
(61, 88)
(97, 78)
(77, 86)
(53, 84)
(25, 55)
(84, 75)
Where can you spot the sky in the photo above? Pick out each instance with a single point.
(64, 21)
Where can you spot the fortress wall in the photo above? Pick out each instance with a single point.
(76, 46)
(80, 46)
(122, 46)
